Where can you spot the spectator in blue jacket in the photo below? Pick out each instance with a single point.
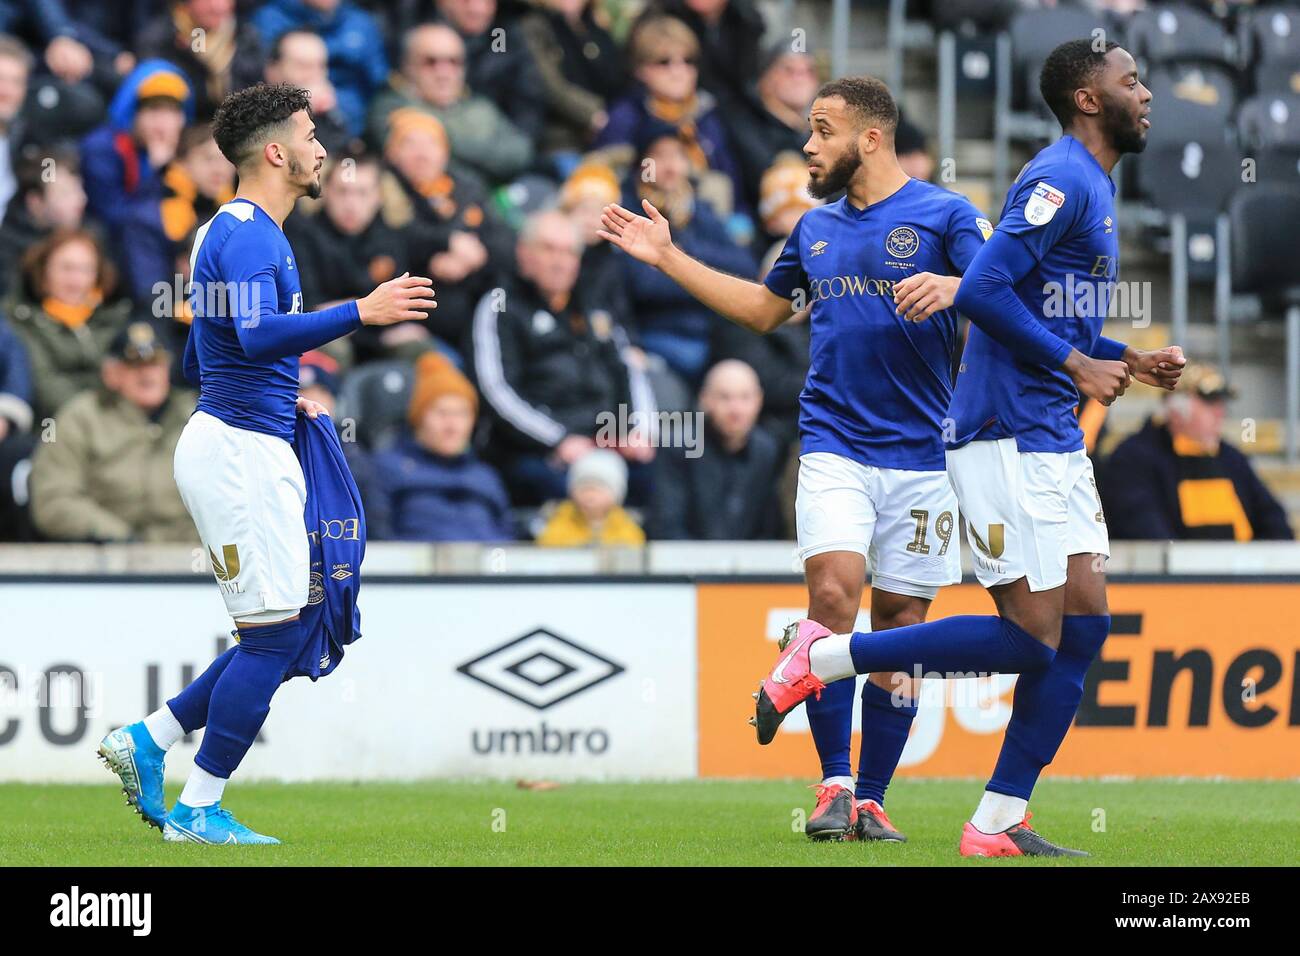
(122, 160)
(194, 186)
(669, 322)
(432, 487)
(358, 65)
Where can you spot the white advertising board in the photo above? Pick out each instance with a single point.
(505, 680)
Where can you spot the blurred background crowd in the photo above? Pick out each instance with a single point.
(473, 141)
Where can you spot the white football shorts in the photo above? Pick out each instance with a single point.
(246, 493)
(903, 522)
(1027, 512)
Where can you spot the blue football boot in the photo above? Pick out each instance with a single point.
(211, 825)
(130, 752)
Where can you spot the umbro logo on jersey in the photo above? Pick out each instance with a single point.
(819, 247)
(1108, 223)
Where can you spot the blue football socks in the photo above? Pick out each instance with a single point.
(190, 706)
(241, 697)
(831, 721)
(886, 722)
(952, 645)
(1045, 704)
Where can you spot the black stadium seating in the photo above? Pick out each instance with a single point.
(1270, 121)
(1191, 100)
(376, 395)
(1265, 254)
(1034, 34)
(1270, 40)
(1171, 31)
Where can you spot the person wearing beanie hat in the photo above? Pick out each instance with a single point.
(435, 378)
(432, 487)
(123, 159)
(774, 117)
(593, 513)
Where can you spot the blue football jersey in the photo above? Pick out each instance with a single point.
(241, 266)
(1062, 207)
(878, 386)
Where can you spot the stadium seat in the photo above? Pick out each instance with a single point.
(1270, 121)
(1266, 263)
(1191, 177)
(1277, 166)
(1176, 31)
(375, 395)
(1021, 114)
(1270, 38)
(1191, 100)
(1034, 34)
(973, 15)
(1278, 76)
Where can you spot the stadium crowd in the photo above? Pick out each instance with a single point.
(473, 141)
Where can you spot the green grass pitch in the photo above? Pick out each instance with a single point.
(1160, 822)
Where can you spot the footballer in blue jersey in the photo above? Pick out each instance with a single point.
(235, 467)
(877, 270)
(1036, 293)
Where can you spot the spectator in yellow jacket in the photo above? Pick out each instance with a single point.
(593, 513)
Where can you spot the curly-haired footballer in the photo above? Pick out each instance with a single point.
(235, 467)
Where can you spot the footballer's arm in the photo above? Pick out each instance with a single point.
(749, 304)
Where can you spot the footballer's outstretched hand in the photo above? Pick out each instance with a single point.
(1159, 368)
(398, 300)
(922, 294)
(646, 239)
(1099, 379)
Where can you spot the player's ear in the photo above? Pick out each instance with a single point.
(869, 139)
(1086, 102)
(274, 154)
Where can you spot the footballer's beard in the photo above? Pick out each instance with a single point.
(312, 187)
(1124, 130)
(838, 176)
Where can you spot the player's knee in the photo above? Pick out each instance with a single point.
(900, 616)
(833, 603)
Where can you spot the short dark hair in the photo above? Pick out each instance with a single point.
(246, 117)
(1071, 66)
(866, 96)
